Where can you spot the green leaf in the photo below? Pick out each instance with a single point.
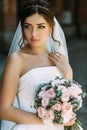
(74, 127)
(60, 121)
(76, 104)
(84, 94)
(59, 93)
(52, 102)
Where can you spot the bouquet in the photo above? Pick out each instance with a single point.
(57, 101)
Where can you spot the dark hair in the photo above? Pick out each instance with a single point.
(41, 7)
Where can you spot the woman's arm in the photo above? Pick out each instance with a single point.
(8, 90)
(60, 60)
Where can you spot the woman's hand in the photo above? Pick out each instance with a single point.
(70, 123)
(61, 62)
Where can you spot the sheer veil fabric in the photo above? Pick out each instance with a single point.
(52, 45)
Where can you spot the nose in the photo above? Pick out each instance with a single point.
(33, 32)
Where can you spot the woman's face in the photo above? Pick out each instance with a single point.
(36, 30)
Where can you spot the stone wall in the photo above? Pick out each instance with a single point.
(8, 21)
(72, 15)
(83, 17)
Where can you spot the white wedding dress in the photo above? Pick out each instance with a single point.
(29, 83)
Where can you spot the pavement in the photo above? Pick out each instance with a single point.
(77, 50)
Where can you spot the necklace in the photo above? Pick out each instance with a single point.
(40, 57)
(43, 58)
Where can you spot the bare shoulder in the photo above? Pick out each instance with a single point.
(14, 63)
(15, 57)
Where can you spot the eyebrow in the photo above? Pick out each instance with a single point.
(40, 23)
(37, 24)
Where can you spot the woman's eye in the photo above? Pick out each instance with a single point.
(41, 27)
(27, 26)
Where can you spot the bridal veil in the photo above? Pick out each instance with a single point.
(52, 45)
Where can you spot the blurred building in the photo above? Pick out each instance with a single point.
(71, 14)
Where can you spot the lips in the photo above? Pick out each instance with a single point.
(35, 40)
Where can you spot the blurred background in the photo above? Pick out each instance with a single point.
(72, 16)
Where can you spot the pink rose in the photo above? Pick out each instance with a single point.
(57, 82)
(66, 106)
(57, 106)
(50, 93)
(62, 88)
(48, 120)
(41, 94)
(46, 115)
(41, 112)
(50, 114)
(67, 112)
(45, 102)
(67, 116)
(74, 91)
(65, 96)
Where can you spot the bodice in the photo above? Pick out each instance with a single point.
(29, 84)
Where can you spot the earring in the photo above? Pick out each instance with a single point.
(25, 41)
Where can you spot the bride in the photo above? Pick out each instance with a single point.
(42, 55)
